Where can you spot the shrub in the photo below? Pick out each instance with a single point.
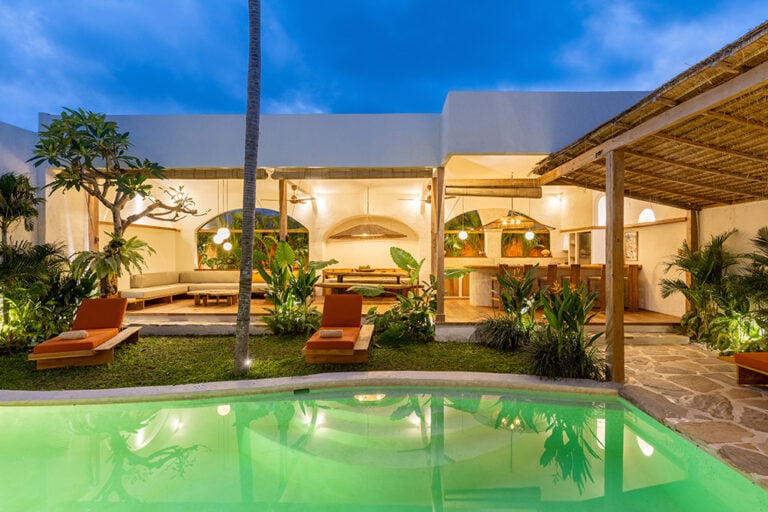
(291, 291)
(560, 348)
(501, 333)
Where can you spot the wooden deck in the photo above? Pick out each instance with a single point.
(457, 311)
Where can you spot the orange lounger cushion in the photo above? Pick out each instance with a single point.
(95, 338)
(346, 341)
(756, 360)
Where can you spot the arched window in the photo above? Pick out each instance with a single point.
(601, 215)
(647, 215)
(218, 240)
(464, 236)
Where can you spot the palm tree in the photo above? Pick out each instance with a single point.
(708, 268)
(242, 327)
(17, 203)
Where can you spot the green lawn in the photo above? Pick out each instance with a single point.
(169, 360)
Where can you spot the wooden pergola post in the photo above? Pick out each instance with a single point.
(283, 202)
(438, 203)
(614, 262)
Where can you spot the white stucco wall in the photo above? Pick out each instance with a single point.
(16, 145)
(518, 122)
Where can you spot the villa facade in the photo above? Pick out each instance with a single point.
(469, 162)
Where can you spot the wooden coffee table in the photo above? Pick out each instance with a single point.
(202, 296)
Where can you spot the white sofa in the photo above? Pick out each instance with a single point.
(166, 285)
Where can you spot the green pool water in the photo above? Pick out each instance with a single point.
(360, 450)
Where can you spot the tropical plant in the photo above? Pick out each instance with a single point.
(410, 320)
(560, 348)
(109, 264)
(91, 155)
(518, 303)
(41, 293)
(290, 289)
(18, 202)
(708, 270)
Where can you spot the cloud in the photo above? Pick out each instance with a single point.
(622, 47)
(293, 102)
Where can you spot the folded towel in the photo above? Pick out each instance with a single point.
(331, 333)
(73, 335)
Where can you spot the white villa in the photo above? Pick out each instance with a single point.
(689, 160)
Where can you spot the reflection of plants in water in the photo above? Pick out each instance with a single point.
(569, 444)
(128, 465)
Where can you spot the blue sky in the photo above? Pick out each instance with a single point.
(343, 56)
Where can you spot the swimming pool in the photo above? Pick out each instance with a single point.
(371, 448)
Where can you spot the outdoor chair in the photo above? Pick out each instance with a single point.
(95, 333)
(752, 368)
(341, 338)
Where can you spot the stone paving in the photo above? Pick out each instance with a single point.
(690, 390)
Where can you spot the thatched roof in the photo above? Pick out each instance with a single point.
(698, 141)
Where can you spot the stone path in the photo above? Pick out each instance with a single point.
(693, 392)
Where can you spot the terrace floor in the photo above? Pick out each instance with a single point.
(689, 389)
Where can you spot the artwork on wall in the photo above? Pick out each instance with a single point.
(630, 246)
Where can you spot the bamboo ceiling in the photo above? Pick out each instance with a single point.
(698, 141)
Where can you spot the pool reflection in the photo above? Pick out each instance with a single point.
(397, 449)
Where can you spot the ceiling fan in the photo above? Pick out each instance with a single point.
(295, 199)
(426, 197)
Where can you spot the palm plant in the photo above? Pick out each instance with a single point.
(17, 203)
(708, 269)
(118, 255)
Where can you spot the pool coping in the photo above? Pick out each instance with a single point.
(309, 382)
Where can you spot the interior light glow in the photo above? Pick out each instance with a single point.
(370, 397)
(646, 448)
(463, 235)
(223, 410)
(217, 239)
(529, 235)
(223, 233)
(227, 246)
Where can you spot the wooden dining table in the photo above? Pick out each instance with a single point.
(368, 275)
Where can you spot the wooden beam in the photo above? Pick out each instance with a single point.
(614, 264)
(502, 183)
(717, 189)
(737, 86)
(698, 168)
(439, 206)
(738, 120)
(711, 147)
(351, 173)
(532, 192)
(283, 208)
(653, 196)
(210, 173)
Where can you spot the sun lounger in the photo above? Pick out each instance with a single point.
(341, 338)
(96, 331)
(752, 367)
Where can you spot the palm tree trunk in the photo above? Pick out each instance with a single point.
(242, 327)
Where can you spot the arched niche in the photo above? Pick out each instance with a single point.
(464, 236)
(224, 252)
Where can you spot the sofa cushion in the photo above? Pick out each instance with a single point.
(153, 292)
(209, 276)
(342, 310)
(95, 338)
(346, 341)
(100, 314)
(154, 279)
(756, 360)
(198, 287)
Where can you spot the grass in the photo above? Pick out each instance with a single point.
(170, 360)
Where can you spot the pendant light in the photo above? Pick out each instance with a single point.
(367, 229)
(463, 235)
(529, 235)
(223, 232)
